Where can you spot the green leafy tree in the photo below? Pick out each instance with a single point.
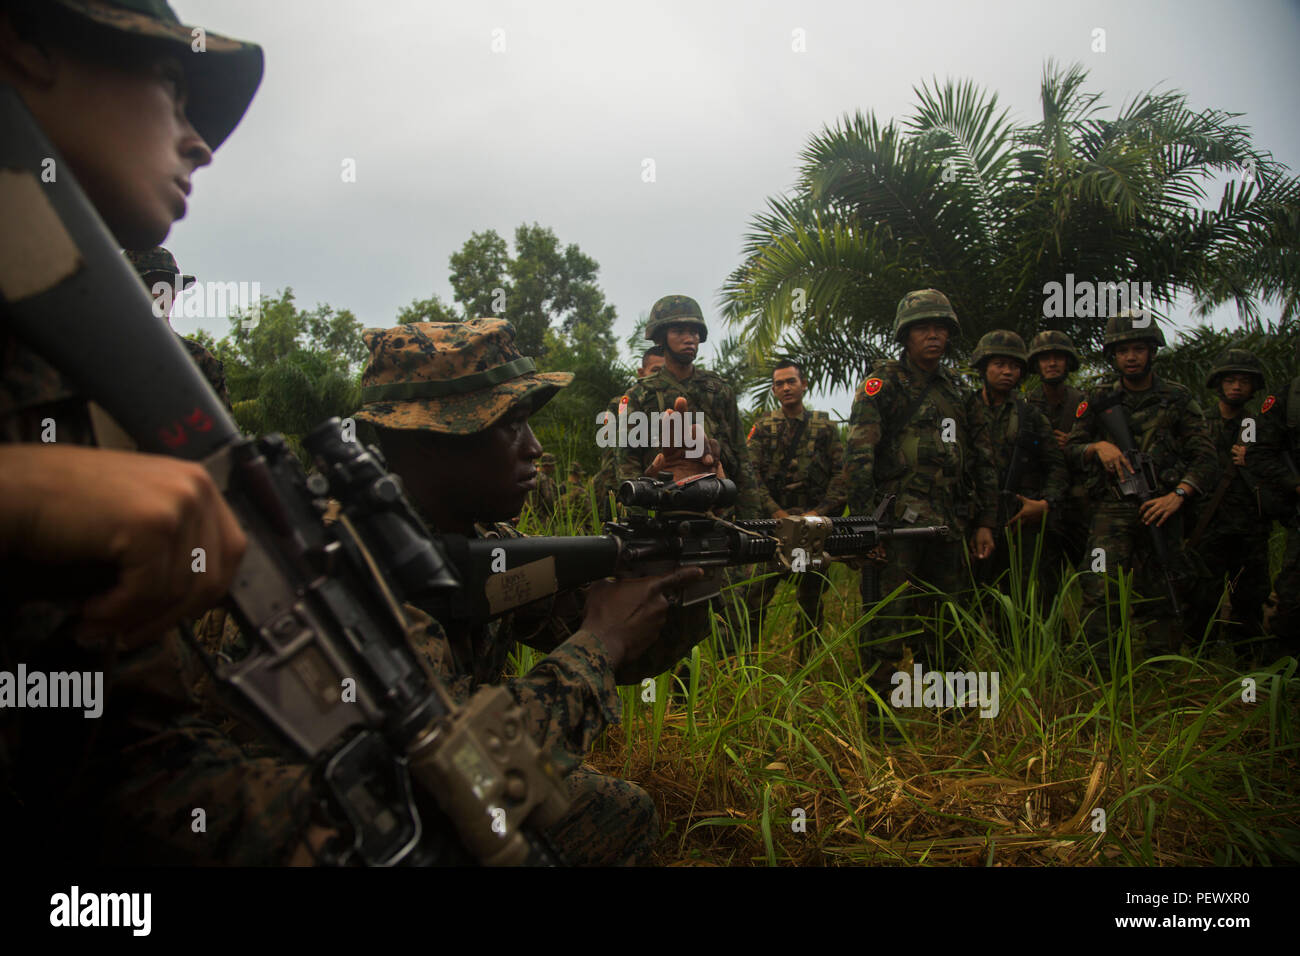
(959, 198)
(289, 369)
(543, 285)
(432, 309)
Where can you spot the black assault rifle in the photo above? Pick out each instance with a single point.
(671, 529)
(1139, 486)
(410, 777)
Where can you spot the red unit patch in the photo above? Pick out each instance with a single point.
(1268, 403)
(872, 385)
(1083, 407)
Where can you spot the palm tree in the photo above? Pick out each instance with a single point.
(959, 198)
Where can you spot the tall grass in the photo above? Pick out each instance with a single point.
(1185, 768)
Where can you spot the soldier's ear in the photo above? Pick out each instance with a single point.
(23, 63)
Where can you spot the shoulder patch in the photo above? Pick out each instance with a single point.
(1083, 407)
(750, 436)
(872, 385)
(1268, 403)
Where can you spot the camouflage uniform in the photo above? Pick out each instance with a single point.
(569, 696)
(1279, 439)
(157, 264)
(1166, 423)
(706, 393)
(122, 788)
(1041, 465)
(896, 446)
(546, 495)
(1067, 524)
(801, 465)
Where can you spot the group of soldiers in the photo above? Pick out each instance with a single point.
(1029, 483)
(170, 773)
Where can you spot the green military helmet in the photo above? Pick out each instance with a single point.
(1236, 361)
(1120, 328)
(999, 343)
(674, 310)
(1054, 341)
(924, 304)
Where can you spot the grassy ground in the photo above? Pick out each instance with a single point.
(763, 761)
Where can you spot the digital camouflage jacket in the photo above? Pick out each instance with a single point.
(1042, 464)
(1166, 423)
(799, 461)
(923, 438)
(704, 392)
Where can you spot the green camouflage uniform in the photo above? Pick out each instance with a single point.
(546, 495)
(801, 465)
(705, 393)
(1279, 436)
(890, 451)
(569, 695)
(1021, 437)
(1068, 523)
(123, 788)
(1234, 544)
(1042, 476)
(1167, 423)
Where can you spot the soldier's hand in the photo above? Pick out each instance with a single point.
(1031, 511)
(1060, 437)
(1239, 455)
(142, 514)
(780, 513)
(628, 615)
(1159, 509)
(675, 458)
(1111, 458)
(981, 546)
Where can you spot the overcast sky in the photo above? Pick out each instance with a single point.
(451, 137)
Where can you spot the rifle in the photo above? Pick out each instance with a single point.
(672, 531)
(1008, 502)
(409, 777)
(1139, 486)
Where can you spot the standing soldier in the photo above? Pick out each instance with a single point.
(605, 481)
(799, 458)
(914, 434)
(159, 272)
(1275, 459)
(1231, 536)
(544, 497)
(1053, 357)
(677, 323)
(1167, 425)
(1031, 466)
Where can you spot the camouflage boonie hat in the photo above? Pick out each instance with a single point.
(221, 78)
(1054, 341)
(999, 343)
(577, 470)
(156, 261)
(1236, 362)
(674, 310)
(920, 305)
(454, 378)
(1120, 328)
(546, 459)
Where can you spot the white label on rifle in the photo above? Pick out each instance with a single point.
(525, 584)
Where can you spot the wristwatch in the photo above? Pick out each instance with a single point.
(1179, 492)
